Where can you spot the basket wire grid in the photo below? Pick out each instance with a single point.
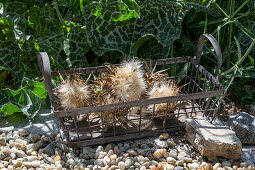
(200, 95)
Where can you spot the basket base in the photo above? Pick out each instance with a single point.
(83, 135)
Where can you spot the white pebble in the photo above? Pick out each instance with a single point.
(21, 141)
(153, 162)
(113, 157)
(13, 155)
(169, 167)
(99, 148)
(110, 152)
(178, 168)
(171, 160)
(59, 167)
(21, 154)
(181, 155)
(10, 167)
(132, 152)
(121, 165)
(70, 155)
(173, 154)
(152, 167)
(193, 165)
(146, 164)
(143, 168)
(36, 163)
(107, 159)
(216, 166)
(137, 165)
(203, 164)
(243, 165)
(27, 164)
(31, 158)
(106, 167)
(71, 162)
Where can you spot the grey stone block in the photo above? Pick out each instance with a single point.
(244, 126)
(212, 140)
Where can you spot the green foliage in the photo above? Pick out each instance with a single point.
(27, 99)
(82, 33)
(75, 33)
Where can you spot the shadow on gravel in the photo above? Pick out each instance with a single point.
(43, 122)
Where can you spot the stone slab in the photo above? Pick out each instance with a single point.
(212, 140)
(244, 126)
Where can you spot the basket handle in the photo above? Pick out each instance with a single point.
(216, 47)
(44, 65)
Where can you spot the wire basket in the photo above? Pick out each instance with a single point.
(201, 95)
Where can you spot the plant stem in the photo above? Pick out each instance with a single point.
(230, 34)
(226, 15)
(205, 27)
(59, 15)
(241, 60)
(232, 15)
(172, 56)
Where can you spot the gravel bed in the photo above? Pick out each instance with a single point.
(20, 149)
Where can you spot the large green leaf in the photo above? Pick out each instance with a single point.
(44, 20)
(76, 47)
(106, 29)
(22, 100)
(26, 100)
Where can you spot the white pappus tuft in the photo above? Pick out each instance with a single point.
(164, 89)
(128, 81)
(73, 93)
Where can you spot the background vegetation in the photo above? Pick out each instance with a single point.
(82, 33)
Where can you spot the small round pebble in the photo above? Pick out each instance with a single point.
(171, 160)
(193, 165)
(121, 165)
(164, 136)
(209, 166)
(226, 163)
(187, 160)
(128, 163)
(243, 165)
(143, 168)
(217, 165)
(171, 142)
(113, 157)
(132, 152)
(21, 150)
(180, 163)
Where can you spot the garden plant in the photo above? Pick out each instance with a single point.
(83, 33)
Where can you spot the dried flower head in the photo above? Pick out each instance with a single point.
(128, 81)
(152, 76)
(73, 93)
(164, 89)
(103, 95)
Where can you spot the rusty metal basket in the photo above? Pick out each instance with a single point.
(200, 96)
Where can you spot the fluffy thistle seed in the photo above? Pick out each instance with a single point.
(164, 89)
(73, 93)
(128, 81)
